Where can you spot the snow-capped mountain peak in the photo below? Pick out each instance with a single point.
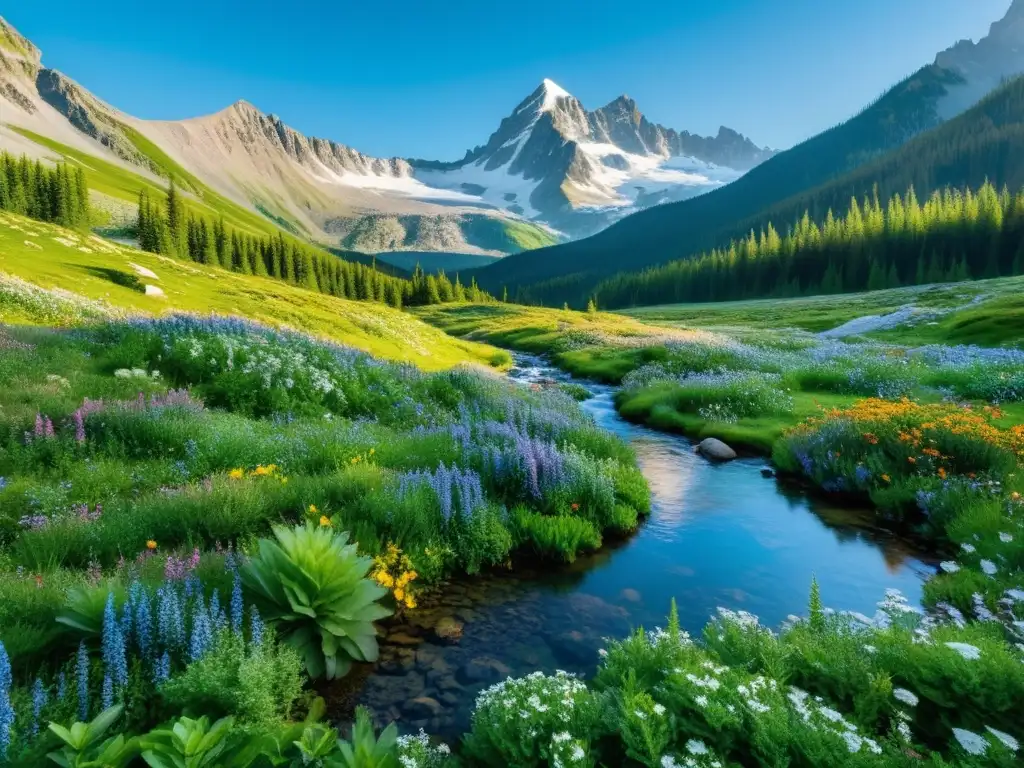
(552, 94)
(553, 161)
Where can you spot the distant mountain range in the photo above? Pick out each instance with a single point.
(957, 79)
(552, 171)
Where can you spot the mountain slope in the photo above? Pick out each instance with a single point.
(551, 171)
(674, 231)
(554, 161)
(303, 185)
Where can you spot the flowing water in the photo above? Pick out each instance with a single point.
(718, 535)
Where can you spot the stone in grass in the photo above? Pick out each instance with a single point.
(715, 450)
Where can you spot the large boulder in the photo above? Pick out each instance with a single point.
(716, 450)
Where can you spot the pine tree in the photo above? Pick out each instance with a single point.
(176, 220)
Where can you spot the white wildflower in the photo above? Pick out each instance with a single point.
(949, 566)
(659, 710)
(701, 701)
(558, 738)
(853, 741)
(1008, 741)
(969, 652)
(408, 762)
(989, 567)
(696, 747)
(972, 743)
(578, 753)
(907, 697)
(968, 548)
(640, 715)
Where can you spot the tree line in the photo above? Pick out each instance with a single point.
(171, 229)
(954, 235)
(58, 195)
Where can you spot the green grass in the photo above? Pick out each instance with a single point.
(105, 275)
(657, 407)
(122, 184)
(528, 236)
(996, 320)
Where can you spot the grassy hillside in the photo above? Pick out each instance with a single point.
(122, 184)
(676, 230)
(109, 276)
(983, 312)
(594, 345)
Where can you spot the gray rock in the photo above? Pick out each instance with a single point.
(716, 450)
(484, 670)
(767, 472)
(423, 706)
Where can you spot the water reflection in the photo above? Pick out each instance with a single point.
(718, 535)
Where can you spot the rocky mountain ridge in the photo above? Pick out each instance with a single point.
(551, 169)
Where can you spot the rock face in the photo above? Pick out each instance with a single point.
(553, 160)
(715, 450)
(985, 64)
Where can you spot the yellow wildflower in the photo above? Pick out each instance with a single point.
(325, 521)
(236, 474)
(410, 601)
(150, 544)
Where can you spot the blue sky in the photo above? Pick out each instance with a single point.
(431, 79)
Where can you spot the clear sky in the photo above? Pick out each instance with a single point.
(417, 78)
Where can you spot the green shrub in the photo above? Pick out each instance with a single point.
(558, 537)
(311, 585)
(258, 687)
(538, 720)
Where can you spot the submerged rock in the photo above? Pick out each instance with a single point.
(484, 670)
(767, 472)
(715, 450)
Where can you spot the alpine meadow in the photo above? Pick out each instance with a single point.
(608, 444)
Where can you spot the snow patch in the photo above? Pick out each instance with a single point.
(152, 290)
(143, 271)
(553, 93)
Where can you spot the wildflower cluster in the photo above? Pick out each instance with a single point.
(536, 718)
(394, 571)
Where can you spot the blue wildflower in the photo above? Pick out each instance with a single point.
(256, 628)
(237, 606)
(202, 633)
(143, 624)
(6, 722)
(39, 698)
(218, 620)
(170, 622)
(115, 660)
(6, 710)
(6, 679)
(162, 668)
(107, 695)
(863, 474)
(62, 686)
(82, 676)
